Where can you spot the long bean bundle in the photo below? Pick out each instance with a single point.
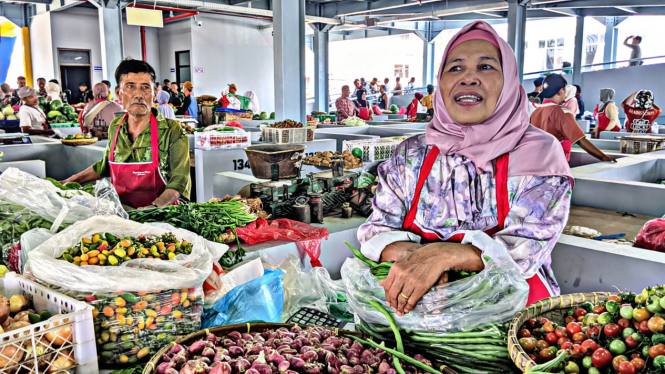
(210, 220)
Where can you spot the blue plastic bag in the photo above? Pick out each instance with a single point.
(259, 300)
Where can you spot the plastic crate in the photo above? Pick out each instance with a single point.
(378, 150)
(323, 117)
(637, 144)
(210, 140)
(287, 136)
(10, 126)
(75, 314)
(63, 125)
(244, 101)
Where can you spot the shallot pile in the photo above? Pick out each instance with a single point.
(314, 350)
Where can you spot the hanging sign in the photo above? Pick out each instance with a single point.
(144, 17)
(97, 68)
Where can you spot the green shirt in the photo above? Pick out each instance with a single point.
(173, 152)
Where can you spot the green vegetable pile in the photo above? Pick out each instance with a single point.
(211, 220)
(354, 121)
(73, 186)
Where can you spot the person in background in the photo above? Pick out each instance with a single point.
(533, 96)
(374, 86)
(98, 115)
(385, 83)
(365, 85)
(383, 97)
(166, 86)
(79, 96)
(606, 114)
(357, 85)
(20, 81)
(641, 115)
(6, 93)
(570, 102)
(62, 96)
(359, 89)
(163, 98)
(551, 118)
(580, 101)
(636, 53)
(41, 84)
(364, 111)
(412, 108)
(398, 87)
(32, 118)
(189, 105)
(52, 91)
(345, 107)
(233, 88)
(411, 85)
(428, 101)
(177, 97)
(108, 86)
(90, 101)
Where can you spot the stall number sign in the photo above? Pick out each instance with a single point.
(199, 70)
(241, 164)
(641, 126)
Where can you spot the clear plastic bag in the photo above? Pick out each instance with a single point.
(494, 295)
(139, 275)
(259, 300)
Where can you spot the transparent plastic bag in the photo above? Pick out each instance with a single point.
(494, 295)
(138, 275)
(259, 300)
(365, 179)
(29, 241)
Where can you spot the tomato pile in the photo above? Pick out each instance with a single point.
(621, 335)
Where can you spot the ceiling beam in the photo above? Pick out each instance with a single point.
(33, 1)
(627, 9)
(599, 4)
(237, 2)
(565, 12)
(612, 12)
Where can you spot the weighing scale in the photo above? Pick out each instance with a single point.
(15, 139)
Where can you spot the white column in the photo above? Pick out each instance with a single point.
(289, 47)
(579, 51)
(516, 31)
(321, 86)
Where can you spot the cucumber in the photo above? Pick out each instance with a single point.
(127, 345)
(109, 346)
(34, 318)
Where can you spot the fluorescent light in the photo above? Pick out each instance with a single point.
(78, 58)
(626, 9)
(388, 7)
(489, 14)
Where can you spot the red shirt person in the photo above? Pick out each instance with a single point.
(641, 114)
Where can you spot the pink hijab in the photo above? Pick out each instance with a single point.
(507, 130)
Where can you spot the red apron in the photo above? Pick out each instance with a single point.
(363, 113)
(537, 288)
(602, 121)
(138, 183)
(567, 148)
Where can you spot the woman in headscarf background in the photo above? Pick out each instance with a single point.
(480, 174)
(571, 100)
(607, 113)
(642, 113)
(412, 108)
(164, 107)
(52, 91)
(364, 111)
(97, 115)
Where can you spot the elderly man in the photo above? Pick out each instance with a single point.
(33, 119)
(15, 98)
(345, 107)
(147, 156)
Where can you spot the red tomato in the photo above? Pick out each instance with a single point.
(624, 323)
(615, 298)
(543, 320)
(617, 361)
(593, 331)
(589, 346)
(579, 337)
(524, 333)
(570, 319)
(561, 341)
(573, 328)
(551, 338)
(636, 325)
(548, 327)
(656, 323)
(531, 322)
(599, 309)
(644, 327)
(657, 350)
(601, 358)
(546, 355)
(579, 313)
(175, 299)
(560, 332)
(533, 357)
(576, 351)
(635, 355)
(631, 343)
(627, 368)
(542, 344)
(612, 330)
(527, 344)
(638, 363)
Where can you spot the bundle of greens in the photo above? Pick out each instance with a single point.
(210, 220)
(73, 186)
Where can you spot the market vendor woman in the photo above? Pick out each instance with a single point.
(480, 177)
(147, 156)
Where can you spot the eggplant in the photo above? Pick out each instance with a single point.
(283, 366)
(310, 356)
(391, 371)
(208, 352)
(368, 370)
(226, 343)
(357, 347)
(312, 368)
(175, 350)
(297, 363)
(236, 351)
(347, 341)
(171, 371)
(322, 354)
(197, 347)
(241, 365)
(205, 360)
(234, 335)
(221, 368)
(261, 368)
(251, 371)
(161, 368)
(358, 369)
(422, 359)
(275, 357)
(306, 348)
(296, 329)
(345, 369)
(332, 360)
(342, 359)
(212, 338)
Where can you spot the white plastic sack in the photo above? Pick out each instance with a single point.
(494, 295)
(138, 275)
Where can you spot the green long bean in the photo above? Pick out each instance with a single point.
(396, 355)
(393, 326)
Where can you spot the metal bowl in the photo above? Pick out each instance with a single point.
(275, 161)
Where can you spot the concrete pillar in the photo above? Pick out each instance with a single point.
(289, 47)
(321, 86)
(111, 38)
(428, 64)
(579, 50)
(516, 31)
(610, 52)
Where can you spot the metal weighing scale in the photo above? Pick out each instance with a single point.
(15, 139)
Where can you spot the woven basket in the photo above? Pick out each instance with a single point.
(223, 330)
(75, 142)
(554, 309)
(312, 123)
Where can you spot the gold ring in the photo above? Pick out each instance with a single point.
(404, 296)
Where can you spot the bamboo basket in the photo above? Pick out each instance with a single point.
(313, 123)
(554, 309)
(150, 367)
(75, 142)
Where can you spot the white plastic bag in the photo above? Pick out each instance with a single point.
(140, 275)
(494, 295)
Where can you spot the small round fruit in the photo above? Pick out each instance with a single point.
(612, 307)
(524, 333)
(601, 358)
(640, 315)
(627, 368)
(546, 355)
(644, 327)
(579, 313)
(551, 338)
(573, 328)
(626, 311)
(598, 309)
(527, 344)
(548, 327)
(624, 323)
(637, 337)
(638, 363)
(579, 337)
(571, 367)
(604, 318)
(616, 361)
(656, 323)
(542, 344)
(589, 346)
(612, 330)
(617, 347)
(587, 363)
(656, 350)
(627, 331)
(631, 343)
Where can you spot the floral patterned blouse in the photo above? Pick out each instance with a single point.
(456, 199)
